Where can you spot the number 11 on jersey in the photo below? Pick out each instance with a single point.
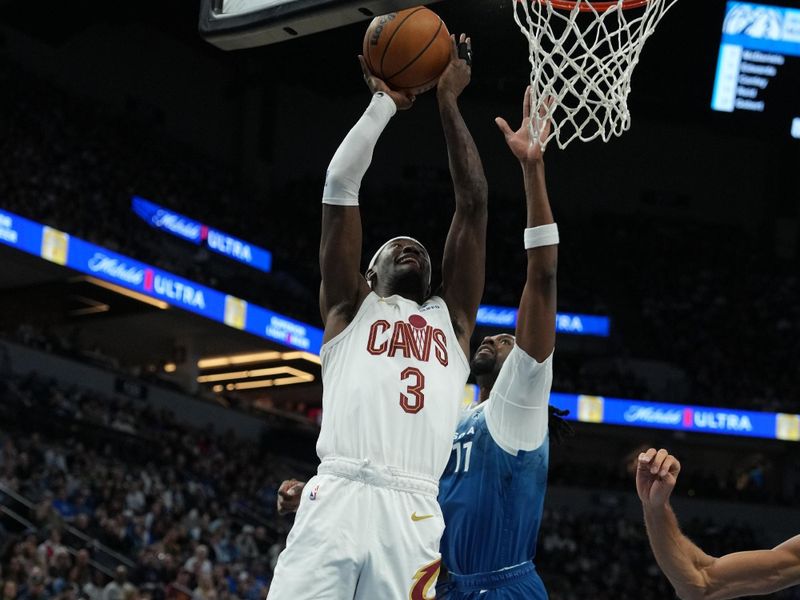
(467, 448)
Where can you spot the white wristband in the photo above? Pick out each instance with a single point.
(543, 235)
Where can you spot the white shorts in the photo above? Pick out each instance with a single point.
(362, 532)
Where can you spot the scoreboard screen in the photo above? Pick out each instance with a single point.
(758, 69)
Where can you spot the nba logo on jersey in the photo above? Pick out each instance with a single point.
(312, 495)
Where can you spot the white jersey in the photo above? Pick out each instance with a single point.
(392, 386)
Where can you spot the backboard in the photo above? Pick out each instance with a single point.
(235, 24)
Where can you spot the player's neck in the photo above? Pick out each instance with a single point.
(406, 291)
(485, 385)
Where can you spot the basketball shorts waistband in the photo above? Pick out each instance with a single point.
(365, 471)
(492, 579)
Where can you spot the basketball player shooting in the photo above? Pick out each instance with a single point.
(492, 492)
(694, 574)
(493, 487)
(393, 367)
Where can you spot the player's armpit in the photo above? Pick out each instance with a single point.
(756, 572)
(343, 287)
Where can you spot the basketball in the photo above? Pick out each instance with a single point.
(408, 49)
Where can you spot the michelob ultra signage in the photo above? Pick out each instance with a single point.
(678, 417)
(570, 323)
(193, 231)
(75, 253)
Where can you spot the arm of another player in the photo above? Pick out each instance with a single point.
(694, 574)
(464, 259)
(343, 286)
(536, 320)
(517, 413)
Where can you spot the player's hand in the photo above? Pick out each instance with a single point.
(403, 100)
(289, 495)
(526, 148)
(458, 72)
(656, 477)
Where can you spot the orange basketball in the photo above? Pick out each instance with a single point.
(408, 49)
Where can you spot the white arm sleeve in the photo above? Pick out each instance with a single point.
(354, 155)
(517, 409)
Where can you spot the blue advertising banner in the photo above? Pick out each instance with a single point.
(571, 323)
(167, 220)
(678, 417)
(21, 233)
(59, 247)
(193, 231)
(265, 323)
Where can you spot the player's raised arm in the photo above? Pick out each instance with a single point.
(536, 321)
(464, 259)
(343, 287)
(694, 574)
(517, 413)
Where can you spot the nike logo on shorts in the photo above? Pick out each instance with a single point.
(416, 517)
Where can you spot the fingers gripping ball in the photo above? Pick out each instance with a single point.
(408, 49)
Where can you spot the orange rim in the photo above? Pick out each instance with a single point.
(598, 6)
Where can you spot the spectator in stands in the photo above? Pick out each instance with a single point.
(246, 544)
(179, 589)
(199, 565)
(34, 588)
(135, 500)
(58, 569)
(62, 504)
(263, 543)
(50, 547)
(80, 574)
(205, 589)
(224, 551)
(16, 571)
(120, 588)
(9, 590)
(93, 590)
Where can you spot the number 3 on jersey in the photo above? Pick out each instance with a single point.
(415, 400)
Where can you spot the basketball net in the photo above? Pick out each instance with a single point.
(583, 55)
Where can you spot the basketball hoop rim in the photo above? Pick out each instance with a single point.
(598, 6)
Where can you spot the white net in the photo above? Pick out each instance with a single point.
(583, 57)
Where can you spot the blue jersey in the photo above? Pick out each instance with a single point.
(491, 500)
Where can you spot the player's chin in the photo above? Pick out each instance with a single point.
(482, 364)
(409, 271)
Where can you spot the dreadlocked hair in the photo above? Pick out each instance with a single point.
(560, 430)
